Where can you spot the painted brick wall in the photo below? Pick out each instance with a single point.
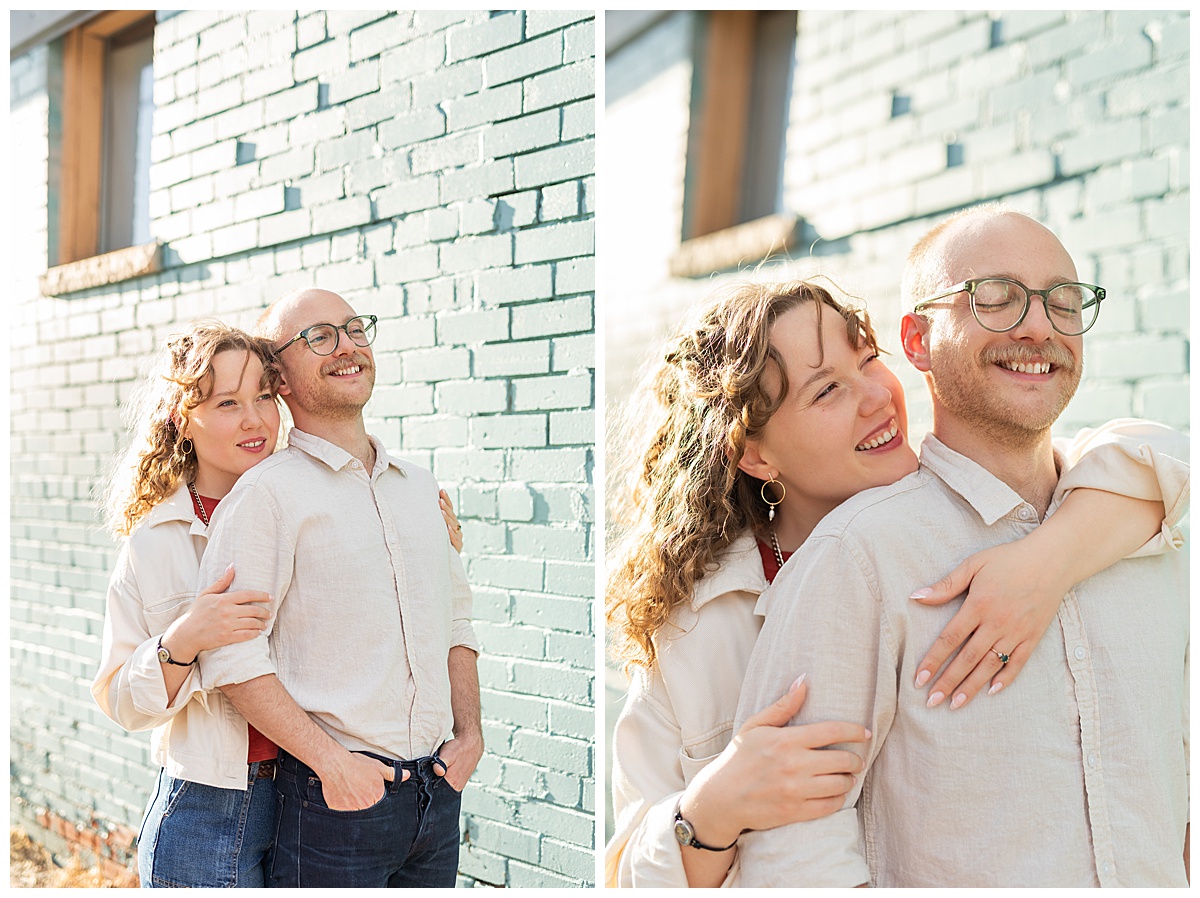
(436, 169)
(1079, 118)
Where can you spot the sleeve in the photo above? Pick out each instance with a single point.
(647, 781)
(461, 631)
(248, 532)
(1135, 458)
(129, 685)
(823, 617)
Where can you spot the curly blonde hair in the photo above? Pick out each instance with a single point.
(158, 460)
(683, 498)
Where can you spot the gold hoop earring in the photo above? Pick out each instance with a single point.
(185, 451)
(782, 495)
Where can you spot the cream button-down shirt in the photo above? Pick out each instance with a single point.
(367, 594)
(1075, 775)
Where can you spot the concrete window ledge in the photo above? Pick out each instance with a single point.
(744, 244)
(108, 268)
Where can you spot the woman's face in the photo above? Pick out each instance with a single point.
(843, 426)
(236, 427)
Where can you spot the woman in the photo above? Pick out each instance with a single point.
(210, 417)
(750, 443)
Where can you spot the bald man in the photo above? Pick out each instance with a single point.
(1076, 773)
(366, 677)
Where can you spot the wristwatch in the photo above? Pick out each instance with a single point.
(685, 835)
(164, 655)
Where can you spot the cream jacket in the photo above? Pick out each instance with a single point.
(679, 716)
(200, 736)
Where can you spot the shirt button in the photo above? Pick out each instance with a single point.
(1106, 868)
(1092, 760)
(1080, 652)
(1024, 514)
(355, 465)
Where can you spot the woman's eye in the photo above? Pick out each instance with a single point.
(226, 403)
(266, 396)
(826, 391)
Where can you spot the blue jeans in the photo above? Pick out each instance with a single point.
(408, 839)
(195, 835)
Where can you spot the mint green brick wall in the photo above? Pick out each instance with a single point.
(435, 168)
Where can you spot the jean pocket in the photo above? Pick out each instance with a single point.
(176, 790)
(314, 795)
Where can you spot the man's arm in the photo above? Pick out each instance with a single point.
(463, 752)
(349, 782)
(824, 620)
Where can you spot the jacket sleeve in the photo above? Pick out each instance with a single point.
(1135, 458)
(129, 685)
(647, 782)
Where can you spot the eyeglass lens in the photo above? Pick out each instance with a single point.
(1071, 308)
(323, 338)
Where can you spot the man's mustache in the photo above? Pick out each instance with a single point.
(1025, 355)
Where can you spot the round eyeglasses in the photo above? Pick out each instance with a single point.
(323, 338)
(1000, 304)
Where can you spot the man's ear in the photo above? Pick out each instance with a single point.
(284, 389)
(752, 462)
(914, 337)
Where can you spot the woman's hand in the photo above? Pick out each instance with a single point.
(452, 526)
(1014, 595)
(772, 774)
(217, 618)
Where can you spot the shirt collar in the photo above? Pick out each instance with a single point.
(336, 457)
(991, 498)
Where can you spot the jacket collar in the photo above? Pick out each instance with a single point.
(176, 507)
(336, 457)
(740, 569)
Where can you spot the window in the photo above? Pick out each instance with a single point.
(740, 97)
(107, 105)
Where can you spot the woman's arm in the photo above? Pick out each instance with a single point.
(768, 775)
(1129, 483)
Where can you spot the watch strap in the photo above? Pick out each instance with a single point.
(691, 841)
(164, 654)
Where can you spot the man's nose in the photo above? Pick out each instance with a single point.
(1036, 325)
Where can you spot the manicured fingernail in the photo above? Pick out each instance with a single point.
(868, 734)
(934, 700)
(230, 568)
(996, 687)
(922, 678)
(959, 700)
(796, 683)
(923, 593)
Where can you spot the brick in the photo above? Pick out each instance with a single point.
(405, 266)
(529, 58)
(526, 357)
(486, 107)
(554, 88)
(357, 81)
(516, 210)
(470, 254)
(442, 153)
(552, 318)
(472, 397)
(557, 465)
(567, 428)
(1134, 357)
(575, 276)
(422, 124)
(434, 432)
(539, 21)
(448, 81)
(557, 241)
(474, 327)
(555, 392)
(514, 573)
(522, 134)
(494, 431)
(377, 106)
(579, 120)
(413, 58)
(436, 364)
(489, 179)
(407, 196)
(484, 37)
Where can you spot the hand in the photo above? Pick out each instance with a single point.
(772, 773)
(218, 618)
(355, 781)
(461, 755)
(1012, 600)
(452, 526)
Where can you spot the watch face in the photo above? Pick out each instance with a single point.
(163, 655)
(683, 832)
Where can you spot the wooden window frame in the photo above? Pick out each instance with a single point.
(713, 238)
(83, 56)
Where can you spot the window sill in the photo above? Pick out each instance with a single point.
(98, 271)
(744, 244)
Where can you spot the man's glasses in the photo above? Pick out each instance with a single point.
(1000, 304)
(323, 338)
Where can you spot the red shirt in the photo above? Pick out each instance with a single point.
(770, 565)
(261, 748)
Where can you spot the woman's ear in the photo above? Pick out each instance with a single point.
(180, 423)
(753, 464)
(914, 337)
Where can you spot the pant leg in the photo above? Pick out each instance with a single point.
(316, 847)
(433, 860)
(198, 836)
